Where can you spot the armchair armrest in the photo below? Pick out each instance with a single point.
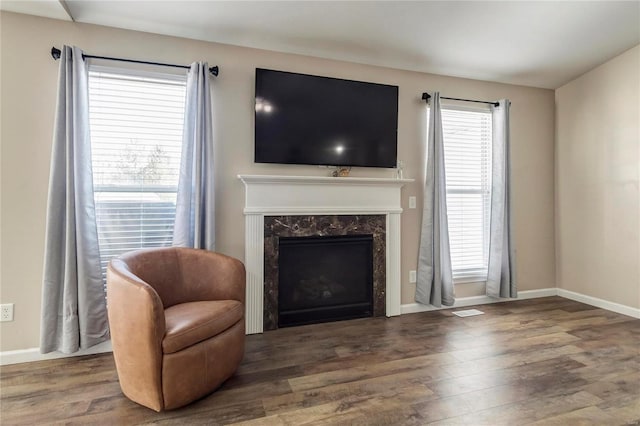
(137, 323)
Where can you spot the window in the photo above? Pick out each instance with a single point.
(467, 150)
(136, 123)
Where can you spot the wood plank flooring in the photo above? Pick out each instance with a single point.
(547, 361)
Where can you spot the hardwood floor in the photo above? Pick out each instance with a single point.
(547, 361)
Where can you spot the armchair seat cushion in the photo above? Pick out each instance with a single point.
(193, 322)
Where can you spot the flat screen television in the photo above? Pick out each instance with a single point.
(307, 119)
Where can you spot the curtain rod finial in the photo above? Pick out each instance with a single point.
(55, 53)
(426, 96)
(214, 70)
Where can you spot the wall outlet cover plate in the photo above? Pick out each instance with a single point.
(6, 312)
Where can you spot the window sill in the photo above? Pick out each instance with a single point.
(469, 280)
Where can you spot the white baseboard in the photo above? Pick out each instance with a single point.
(534, 294)
(600, 303)
(33, 354)
(411, 308)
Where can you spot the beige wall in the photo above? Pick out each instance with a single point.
(28, 98)
(597, 182)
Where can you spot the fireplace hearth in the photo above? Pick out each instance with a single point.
(324, 278)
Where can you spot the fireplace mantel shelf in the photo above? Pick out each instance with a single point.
(279, 179)
(275, 195)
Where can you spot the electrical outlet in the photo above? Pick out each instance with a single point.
(412, 202)
(412, 277)
(6, 312)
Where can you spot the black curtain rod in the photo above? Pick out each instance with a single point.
(55, 54)
(426, 96)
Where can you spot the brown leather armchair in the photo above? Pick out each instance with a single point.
(177, 323)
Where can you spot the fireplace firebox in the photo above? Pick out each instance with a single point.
(324, 278)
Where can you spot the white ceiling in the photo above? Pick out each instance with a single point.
(541, 44)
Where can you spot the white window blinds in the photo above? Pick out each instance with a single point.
(136, 123)
(467, 150)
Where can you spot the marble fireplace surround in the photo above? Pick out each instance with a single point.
(315, 225)
(267, 195)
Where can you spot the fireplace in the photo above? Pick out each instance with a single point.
(295, 206)
(324, 278)
(320, 228)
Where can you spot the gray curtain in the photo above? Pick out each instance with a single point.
(435, 277)
(501, 274)
(195, 218)
(74, 312)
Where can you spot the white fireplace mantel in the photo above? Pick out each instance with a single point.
(317, 195)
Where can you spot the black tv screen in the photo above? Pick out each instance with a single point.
(306, 119)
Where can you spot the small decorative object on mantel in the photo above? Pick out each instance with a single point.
(341, 172)
(400, 170)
